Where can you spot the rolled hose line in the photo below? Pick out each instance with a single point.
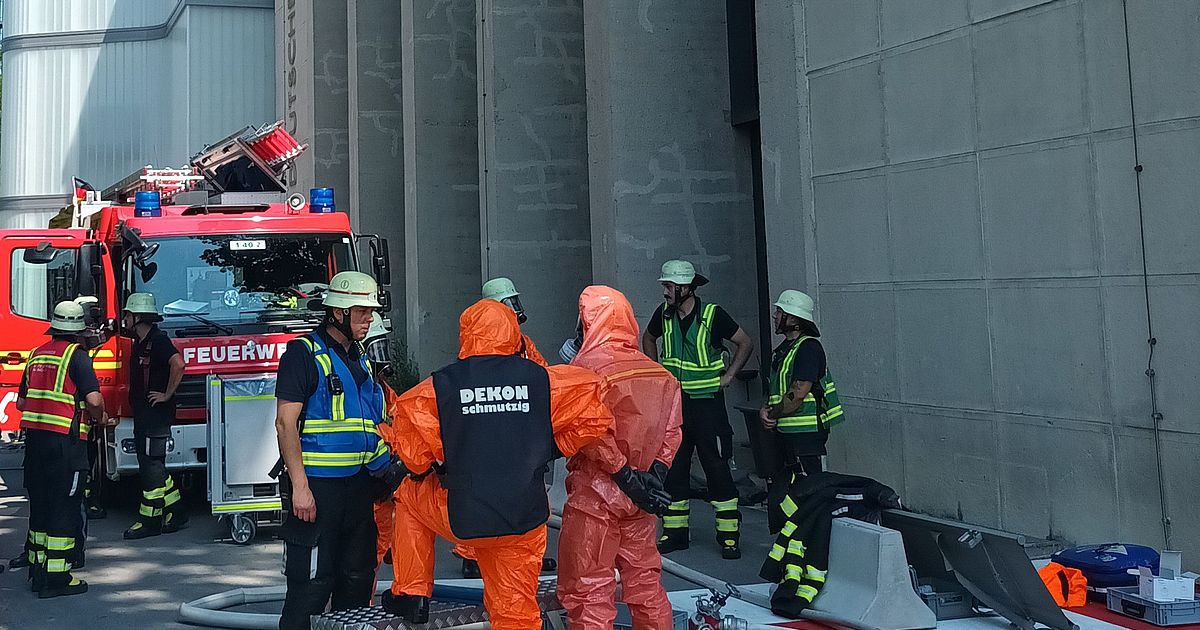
(210, 611)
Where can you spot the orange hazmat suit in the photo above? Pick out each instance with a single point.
(509, 564)
(602, 528)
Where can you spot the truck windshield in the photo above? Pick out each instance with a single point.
(243, 278)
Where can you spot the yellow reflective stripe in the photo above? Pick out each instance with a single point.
(57, 565)
(789, 508)
(683, 506)
(251, 398)
(247, 507)
(330, 426)
(39, 538)
(334, 459)
(688, 366)
(171, 499)
(46, 394)
(702, 335)
(323, 361)
(797, 547)
(58, 543)
(777, 553)
(380, 450)
(806, 592)
(731, 504)
(106, 365)
(793, 572)
(675, 522)
(707, 383)
(146, 510)
(46, 418)
(312, 347)
(339, 407)
(813, 574)
(727, 525)
(61, 379)
(156, 493)
(789, 528)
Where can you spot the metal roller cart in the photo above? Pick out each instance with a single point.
(242, 449)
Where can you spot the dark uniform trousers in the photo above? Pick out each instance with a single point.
(55, 473)
(332, 557)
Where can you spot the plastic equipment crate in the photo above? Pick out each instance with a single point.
(1125, 600)
(947, 599)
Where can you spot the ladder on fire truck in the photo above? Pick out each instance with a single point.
(250, 160)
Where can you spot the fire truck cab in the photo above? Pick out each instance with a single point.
(233, 273)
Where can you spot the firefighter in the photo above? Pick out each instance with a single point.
(58, 398)
(602, 529)
(155, 371)
(694, 334)
(328, 410)
(504, 291)
(379, 354)
(477, 436)
(803, 402)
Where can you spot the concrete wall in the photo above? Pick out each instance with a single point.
(441, 168)
(978, 261)
(312, 59)
(534, 217)
(376, 133)
(670, 178)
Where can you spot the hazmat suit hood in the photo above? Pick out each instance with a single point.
(609, 325)
(488, 328)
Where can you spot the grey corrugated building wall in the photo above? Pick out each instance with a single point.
(953, 180)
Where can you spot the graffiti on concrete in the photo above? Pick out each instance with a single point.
(557, 35)
(674, 186)
(455, 29)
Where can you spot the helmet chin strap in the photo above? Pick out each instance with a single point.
(343, 326)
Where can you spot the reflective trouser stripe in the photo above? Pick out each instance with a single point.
(146, 510)
(676, 516)
(806, 592)
(58, 548)
(728, 520)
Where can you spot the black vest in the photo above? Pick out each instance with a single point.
(497, 437)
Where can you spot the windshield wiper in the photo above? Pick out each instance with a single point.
(207, 322)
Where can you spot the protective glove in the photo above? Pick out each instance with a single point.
(388, 479)
(660, 470)
(644, 489)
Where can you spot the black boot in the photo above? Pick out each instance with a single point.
(174, 521)
(730, 550)
(20, 562)
(75, 587)
(674, 539)
(96, 513)
(413, 608)
(141, 529)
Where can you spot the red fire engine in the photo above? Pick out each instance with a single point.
(231, 261)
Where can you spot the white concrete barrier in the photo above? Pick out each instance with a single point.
(869, 581)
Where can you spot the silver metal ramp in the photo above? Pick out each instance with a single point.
(441, 614)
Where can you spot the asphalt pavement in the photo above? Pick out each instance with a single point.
(140, 584)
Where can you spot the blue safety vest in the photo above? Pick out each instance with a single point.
(340, 433)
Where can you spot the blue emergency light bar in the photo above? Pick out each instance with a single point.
(320, 201)
(147, 204)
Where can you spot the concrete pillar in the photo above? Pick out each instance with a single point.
(313, 89)
(668, 175)
(783, 105)
(533, 158)
(441, 168)
(376, 132)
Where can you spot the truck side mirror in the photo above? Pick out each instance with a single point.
(381, 261)
(90, 272)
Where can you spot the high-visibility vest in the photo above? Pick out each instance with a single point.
(50, 403)
(689, 354)
(811, 416)
(339, 432)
